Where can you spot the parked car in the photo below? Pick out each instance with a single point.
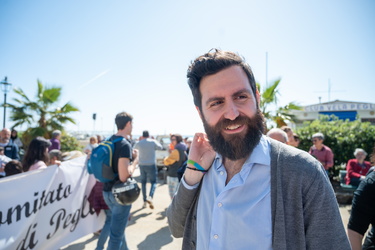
(164, 140)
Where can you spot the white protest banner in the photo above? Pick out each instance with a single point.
(47, 208)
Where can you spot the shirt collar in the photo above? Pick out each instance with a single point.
(323, 148)
(260, 154)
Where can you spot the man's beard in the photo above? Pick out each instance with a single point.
(5, 140)
(236, 146)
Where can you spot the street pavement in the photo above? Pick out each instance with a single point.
(148, 228)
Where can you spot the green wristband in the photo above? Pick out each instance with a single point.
(199, 167)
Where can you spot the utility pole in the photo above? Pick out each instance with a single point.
(329, 91)
(266, 69)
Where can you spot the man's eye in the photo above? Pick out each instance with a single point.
(214, 104)
(242, 97)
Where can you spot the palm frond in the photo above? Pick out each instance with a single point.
(20, 92)
(270, 93)
(51, 95)
(40, 89)
(68, 107)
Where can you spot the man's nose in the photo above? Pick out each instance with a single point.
(231, 111)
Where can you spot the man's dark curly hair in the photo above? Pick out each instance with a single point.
(211, 63)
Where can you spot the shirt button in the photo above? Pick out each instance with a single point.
(221, 172)
(216, 236)
(220, 204)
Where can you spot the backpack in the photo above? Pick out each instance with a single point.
(181, 170)
(100, 162)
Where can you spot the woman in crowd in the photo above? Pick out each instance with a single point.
(36, 156)
(14, 139)
(357, 168)
(55, 140)
(174, 161)
(93, 144)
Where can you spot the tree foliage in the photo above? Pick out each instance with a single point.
(343, 137)
(269, 97)
(41, 114)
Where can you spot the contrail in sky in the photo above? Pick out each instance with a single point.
(94, 79)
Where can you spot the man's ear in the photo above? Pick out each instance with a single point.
(257, 95)
(199, 112)
(128, 124)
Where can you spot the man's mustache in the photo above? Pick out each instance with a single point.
(224, 123)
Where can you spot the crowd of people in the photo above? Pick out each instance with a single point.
(356, 169)
(291, 197)
(11, 151)
(39, 154)
(129, 154)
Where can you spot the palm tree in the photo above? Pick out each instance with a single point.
(41, 115)
(268, 98)
(283, 114)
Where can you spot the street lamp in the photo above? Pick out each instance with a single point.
(5, 87)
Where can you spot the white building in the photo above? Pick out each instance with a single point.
(342, 109)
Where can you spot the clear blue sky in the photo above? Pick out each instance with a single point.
(113, 56)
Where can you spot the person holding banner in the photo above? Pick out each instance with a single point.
(13, 167)
(3, 160)
(97, 202)
(124, 162)
(36, 156)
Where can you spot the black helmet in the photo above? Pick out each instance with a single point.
(127, 192)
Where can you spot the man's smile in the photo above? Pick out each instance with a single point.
(234, 128)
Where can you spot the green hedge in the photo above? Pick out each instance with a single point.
(69, 143)
(343, 137)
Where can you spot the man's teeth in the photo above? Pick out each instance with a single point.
(233, 127)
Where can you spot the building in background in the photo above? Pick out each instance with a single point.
(342, 109)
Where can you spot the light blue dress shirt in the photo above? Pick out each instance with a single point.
(237, 215)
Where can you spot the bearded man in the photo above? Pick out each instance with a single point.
(241, 189)
(10, 149)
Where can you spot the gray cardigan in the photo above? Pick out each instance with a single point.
(305, 212)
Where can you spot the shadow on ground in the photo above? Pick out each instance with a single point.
(81, 245)
(134, 218)
(156, 240)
